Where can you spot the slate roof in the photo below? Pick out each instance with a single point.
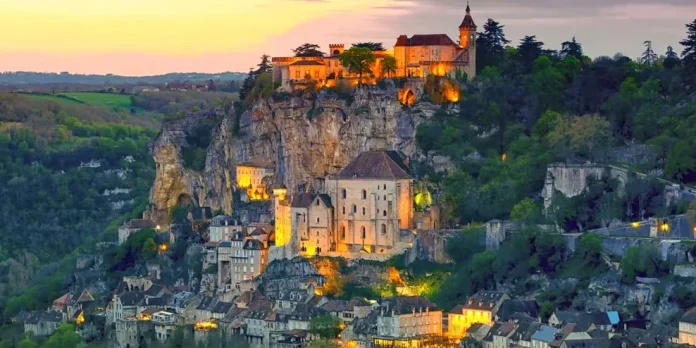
(509, 307)
(545, 333)
(366, 326)
(468, 22)
(237, 237)
(336, 306)
(140, 224)
(81, 296)
(375, 165)
(689, 316)
(50, 316)
(425, 40)
(225, 244)
(222, 307)
(222, 220)
(406, 304)
(253, 244)
(587, 343)
(206, 303)
(156, 301)
(484, 300)
(132, 298)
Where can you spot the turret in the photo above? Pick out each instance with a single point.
(336, 49)
(467, 30)
(280, 192)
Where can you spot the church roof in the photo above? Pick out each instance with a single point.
(375, 165)
(468, 22)
(425, 40)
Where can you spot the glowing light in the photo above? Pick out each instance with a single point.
(205, 325)
(158, 227)
(163, 247)
(439, 70)
(80, 318)
(635, 225)
(406, 96)
(504, 157)
(451, 93)
(664, 227)
(145, 316)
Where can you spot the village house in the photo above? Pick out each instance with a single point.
(347, 311)
(164, 324)
(687, 327)
(585, 321)
(405, 320)
(543, 337)
(479, 308)
(132, 226)
(222, 227)
(43, 323)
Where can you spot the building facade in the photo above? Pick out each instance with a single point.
(251, 179)
(416, 56)
(407, 317)
(479, 308)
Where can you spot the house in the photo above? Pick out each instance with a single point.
(585, 321)
(510, 307)
(292, 339)
(133, 226)
(543, 337)
(499, 335)
(221, 309)
(43, 323)
(222, 227)
(347, 310)
(200, 217)
(124, 306)
(81, 299)
(165, 324)
(585, 343)
(481, 307)
(524, 330)
(478, 331)
(409, 317)
(687, 327)
(61, 304)
(361, 330)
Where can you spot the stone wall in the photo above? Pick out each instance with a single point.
(686, 271)
(631, 154)
(497, 231)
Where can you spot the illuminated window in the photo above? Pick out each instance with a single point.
(297, 74)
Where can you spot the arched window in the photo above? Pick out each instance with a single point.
(317, 220)
(344, 210)
(384, 213)
(343, 232)
(364, 194)
(355, 208)
(363, 209)
(384, 229)
(362, 232)
(343, 193)
(385, 197)
(385, 186)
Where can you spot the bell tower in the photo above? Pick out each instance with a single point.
(467, 40)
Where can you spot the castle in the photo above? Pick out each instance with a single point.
(416, 56)
(363, 210)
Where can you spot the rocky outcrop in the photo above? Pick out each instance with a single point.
(287, 274)
(305, 138)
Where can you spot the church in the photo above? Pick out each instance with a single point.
(416, 56)
(363, 210)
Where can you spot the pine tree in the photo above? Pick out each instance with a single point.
(265, 66)
(671, 58)
(649, 56)
(571, 48)
(529, 49)
(689, 52)
(490, 45)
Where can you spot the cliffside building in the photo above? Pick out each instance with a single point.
(364, 209)
(243, 258)
(479, 308)
(416, 56)
(250, 176)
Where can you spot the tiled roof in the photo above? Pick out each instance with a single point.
(307, 62)
(425, 40)
(375, 165)
(258, 232)
(336, 306)
(222, 307)
(257, 163)
(222, 220)
(301, 200)
(510, 307)
(468, 22)
(253, 244)
(132, 298)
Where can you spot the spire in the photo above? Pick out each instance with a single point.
(468, 22)
(468, 9)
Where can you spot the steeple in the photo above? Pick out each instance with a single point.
(468, 22)
(468, 9)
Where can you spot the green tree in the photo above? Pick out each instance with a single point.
(529, 50)
(482, 271)
(326, 326)
(580, 136)
(458, 188)
(64, 337)
(526, 211)
(547, 85)
(358, 60)
(373, 46)
(671, 59)
(689, 52)
(649, 57)
(264, 66)
(681, 161)
(388, 66)
(27, 343)
(308, 50)
(322, 344)
(569, 67)
(571, 48)
(547, 123)
(490, 44)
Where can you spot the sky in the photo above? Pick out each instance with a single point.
(147, 37)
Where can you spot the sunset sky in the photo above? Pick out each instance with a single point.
(143, 37)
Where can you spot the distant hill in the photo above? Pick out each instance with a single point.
(28, 78)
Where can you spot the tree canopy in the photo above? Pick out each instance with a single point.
(308, 50)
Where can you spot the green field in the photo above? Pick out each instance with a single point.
(101, 99)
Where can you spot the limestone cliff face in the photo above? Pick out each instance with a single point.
(305, 138)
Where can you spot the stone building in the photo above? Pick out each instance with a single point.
(250, 177)
(416, 56)
(43, 323)
(687, 328)
(222, 227)
(243, 258)
(407, 318)
(479, 308)
(363, 210)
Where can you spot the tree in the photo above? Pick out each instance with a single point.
(529, 50)
(482, 271)
(671, 58)
(649, 56)
(580, 136)
(308, 50)
(358, 60)
(388, 66)
(373, 46)
(490, 44)
(322, 344)
(571, 48)
(64, 337)
(547, 84)
(526, 211)
(689, 54)
(326, 326)
(265, 66)
(589, 250)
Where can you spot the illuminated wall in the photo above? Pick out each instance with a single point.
(687, 333)
(251, 179)
(460, 322)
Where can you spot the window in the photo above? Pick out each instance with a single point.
(297, 74)
(355, 209)
(385, 197)
(344, 210)
(317, 220)
(384, 213)
(384, 229)
(362, 232)
(343, 232)
(385, 186)
(317, 203)
(364, 194)
(363, 210)
(343, 193)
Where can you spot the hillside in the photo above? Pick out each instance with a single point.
(27, 77)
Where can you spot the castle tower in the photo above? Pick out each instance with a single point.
(282, 214)
(336, 49)
(467, 40)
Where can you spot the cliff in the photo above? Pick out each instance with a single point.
(305, 138)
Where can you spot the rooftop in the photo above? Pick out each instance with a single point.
(375, 165)
(425, 40)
